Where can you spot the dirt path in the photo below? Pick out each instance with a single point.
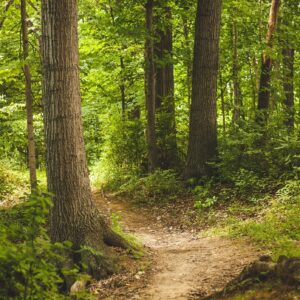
(186, 266)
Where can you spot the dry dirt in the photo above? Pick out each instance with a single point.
(185, 265)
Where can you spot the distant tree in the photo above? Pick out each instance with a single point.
(164, 76)
(202, 146)
(74, 216)
(288, 23)
(266, 64)
(29, 98)
(288, 85)
(150, 89)
(237, 95)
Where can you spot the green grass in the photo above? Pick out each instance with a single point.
(273, 224)
(278, 230)
(137, 248)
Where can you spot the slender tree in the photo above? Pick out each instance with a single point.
(150, 89)
(29, 99)
(202, 146)
(266, 64)
(288, 85)
(165, 102)
(237, 95)
(288, 61)
(74, 216)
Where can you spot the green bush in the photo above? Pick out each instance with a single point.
(157, 188)
(29, 262)
(204, 197)
(12, 183)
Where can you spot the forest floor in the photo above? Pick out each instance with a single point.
(181, 263)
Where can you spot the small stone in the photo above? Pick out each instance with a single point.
(78, 286)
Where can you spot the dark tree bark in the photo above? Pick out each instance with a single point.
(202, 146)
(150, 90)
(237, 95)
(74, 216)
(266, 65)
(288, 86)
(165, 102)
(29, 99)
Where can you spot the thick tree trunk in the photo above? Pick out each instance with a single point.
(266, 65)
(165, 102)
(29, 99)
(288, 86)
(74, 216)
(202, 146)
(237, 95)
(150, 90)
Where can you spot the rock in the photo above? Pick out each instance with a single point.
(288, 270)
(78, 286)
(266, 258)
(258, 269)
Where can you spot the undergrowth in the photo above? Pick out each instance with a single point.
(272, 221)
(31, 267)
(136, 247)
(13, 184)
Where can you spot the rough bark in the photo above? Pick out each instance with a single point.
(29, 99)
(74, 216)
(165, 102)
(150, 90)
(237, 95)
(266, 64)
(288, 86)
(202, 146)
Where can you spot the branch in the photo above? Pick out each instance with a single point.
(6, 8)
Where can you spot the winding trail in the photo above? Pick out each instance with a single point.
(186, 266)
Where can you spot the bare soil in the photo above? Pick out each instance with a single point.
(181, 264)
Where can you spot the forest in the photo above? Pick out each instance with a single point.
(150, 149)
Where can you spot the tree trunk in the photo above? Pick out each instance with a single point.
(165, 102)
(74, 216)
(288, 86)
(29, 99)
(266, 65)
(237, 96)
(252, 74)
(202, 146)
(122, 87)
(188, 60)
(222, 103)
(150, 89)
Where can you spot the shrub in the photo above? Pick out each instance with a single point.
(157, 188)
(29, 262)
(204, 197)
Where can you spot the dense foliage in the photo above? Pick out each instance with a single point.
(258, 163)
